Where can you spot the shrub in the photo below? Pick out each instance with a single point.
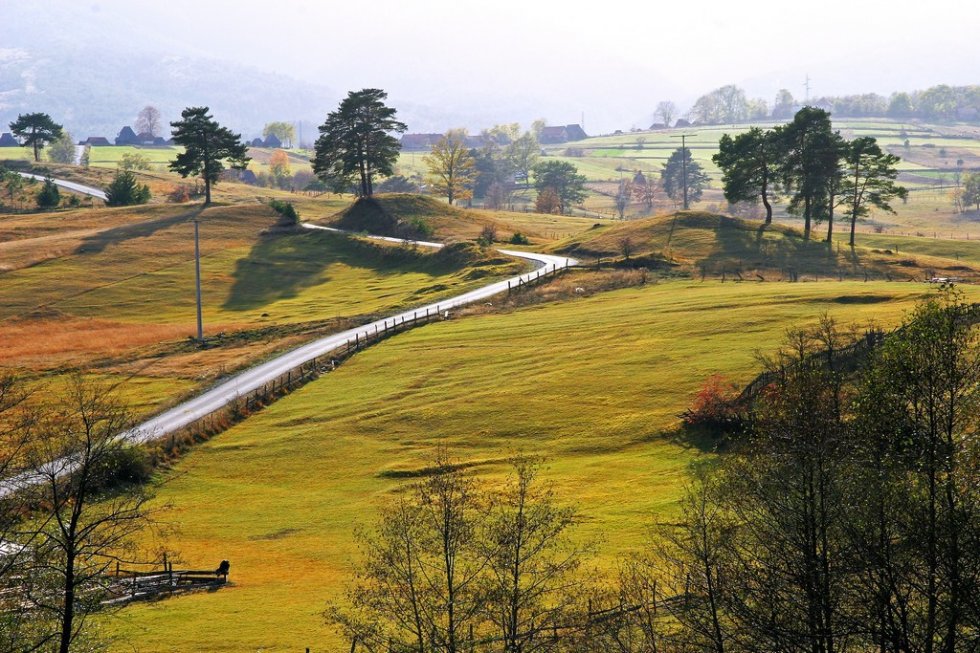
(488, 236)
(125, 190)
(419, 228)
(397, 184)
(49, 196)
(133, 161)
(714, 406)
(128, 465)
(181, 193)
(288, 217)
(547, 201)
(519, 239)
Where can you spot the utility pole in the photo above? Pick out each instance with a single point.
(197, 280)
(806, 85)
(683, 138)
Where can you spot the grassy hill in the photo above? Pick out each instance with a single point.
(594, 384)
(592, 381)
(419, 216)
(929, 167)
(705, 244)
(111, 290)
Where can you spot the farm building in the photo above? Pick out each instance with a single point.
(7, 140)
(146, 138)
(550, 135)
(95, 140)
(424, 142)
(272, 141)
(419, 141)
(127, 137)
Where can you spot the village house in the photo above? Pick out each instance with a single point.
(559, 134)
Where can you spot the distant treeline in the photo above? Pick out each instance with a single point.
(729, 104)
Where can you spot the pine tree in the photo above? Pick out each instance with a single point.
(749, 165)
(355, 140)
(206, 146)
(35, 129)
(125, 190)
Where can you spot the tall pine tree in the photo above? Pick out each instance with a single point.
(356, 142)
(207, 145)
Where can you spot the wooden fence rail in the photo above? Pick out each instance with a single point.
(847, 357)
(313, 368)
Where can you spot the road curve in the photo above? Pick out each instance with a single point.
(240, 384)
(69, 185)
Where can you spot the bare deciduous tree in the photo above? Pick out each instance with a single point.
(531, 587)
(148, 121)
(90, 506)
(666, 110)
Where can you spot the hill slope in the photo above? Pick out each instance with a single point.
(709, 244)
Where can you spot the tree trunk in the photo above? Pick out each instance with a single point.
(830, 222)
(856, 204)
(765, 200)
(68, 613)
(806, 218)
(207, 190)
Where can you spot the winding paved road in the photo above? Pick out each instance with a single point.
(252, 379)
(69, 185)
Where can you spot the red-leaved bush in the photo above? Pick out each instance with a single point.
(714, 405)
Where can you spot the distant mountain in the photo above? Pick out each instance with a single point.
(94, 92)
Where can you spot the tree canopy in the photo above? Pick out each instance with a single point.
(811, 151)
(207, 145)
(356, 142)
(34, 130)
(870, 178)
(148, 121)
(284, 131)
(49, 196)
(126, 190)
(672, 176)
(750, 166)
(451, 166)
(62, 148)
(563, 179)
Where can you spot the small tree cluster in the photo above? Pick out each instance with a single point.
(845, 520)
(454, 566)
(814, 165)
(559, 185)
(133, 161)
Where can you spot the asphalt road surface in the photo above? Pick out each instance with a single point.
(243, 383)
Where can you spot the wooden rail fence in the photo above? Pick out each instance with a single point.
(313, 368)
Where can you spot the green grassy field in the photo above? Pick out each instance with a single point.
(594, 384)
(929, 167)
(704, 244)
(111, 290)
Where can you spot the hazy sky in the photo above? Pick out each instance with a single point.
(613, 60)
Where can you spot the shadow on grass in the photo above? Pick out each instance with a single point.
(703, 439)
(279, 266)
(742, 248)
(98, 242)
